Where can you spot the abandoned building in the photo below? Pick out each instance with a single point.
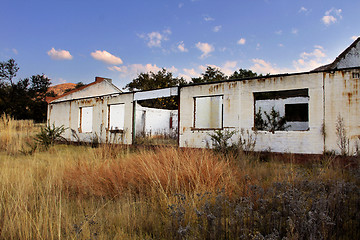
(292, 113)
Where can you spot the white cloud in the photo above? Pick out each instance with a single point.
(133, 70)
(154, 39)
(307, 61)
(228, 67)
(15, 51)
(303, 9)
(208, 19)
(279, 32)
(261, 66)
(59, 54)
(217, 28)
(189, 73)
(310, 60)
(180, 5)
(317, 53)
(181, 47)
(258, 46)
(119, 69)
(331, 16)
(281, 45)
(205, 48)
(106, 57)
(354, 37)
(327, 20)
(241, 41)
(294, 31)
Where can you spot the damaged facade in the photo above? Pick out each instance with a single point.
(310, 104)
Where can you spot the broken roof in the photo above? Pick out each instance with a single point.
(350, 57)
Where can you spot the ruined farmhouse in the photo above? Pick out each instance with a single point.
(310, 108)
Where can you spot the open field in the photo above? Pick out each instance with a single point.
(116, 192)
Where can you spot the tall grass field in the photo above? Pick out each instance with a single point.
(118, 192)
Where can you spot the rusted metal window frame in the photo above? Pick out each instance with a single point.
(222, 113)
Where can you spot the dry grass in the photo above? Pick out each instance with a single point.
(113, 192)
(166, 170)
(14, 135)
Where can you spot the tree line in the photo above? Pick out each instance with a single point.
(164, 79)
(26, 98)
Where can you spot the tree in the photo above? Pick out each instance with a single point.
(211, 75)
(38, 92)
(24, 99)
(243, 73)
(8, 71)
(150, 81)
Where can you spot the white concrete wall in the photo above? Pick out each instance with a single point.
(154, 121)
(342, 98)
(239, 112)
(67, 113)
(331, 94)
(194, 137)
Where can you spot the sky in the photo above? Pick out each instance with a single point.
(77, 40)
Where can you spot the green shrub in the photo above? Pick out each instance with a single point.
(49, 135)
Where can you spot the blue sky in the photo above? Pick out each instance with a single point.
(76, 40)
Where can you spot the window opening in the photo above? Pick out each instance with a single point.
(208, 112)
(86, 119)
(116, 117)
(297, 112)
(282, 110)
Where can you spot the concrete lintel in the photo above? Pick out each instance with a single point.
(158, 93)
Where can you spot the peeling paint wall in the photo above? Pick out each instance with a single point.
(342, 98)
(239, 109)
(67, 113)
(328, 96)
(189, 135)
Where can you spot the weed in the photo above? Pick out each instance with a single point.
(273, 122)
(31, 148)
(342, 139)
(221, 140)
(75, 136)
(49, 135)
(303, 210)
(247, 140)
(95, 141)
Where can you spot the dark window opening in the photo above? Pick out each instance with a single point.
(281, 94)
(356, 75)
(298, 112)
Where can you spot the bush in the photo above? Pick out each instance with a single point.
(273, 122)
(49, 135)
(302, 210)
(221, 140)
